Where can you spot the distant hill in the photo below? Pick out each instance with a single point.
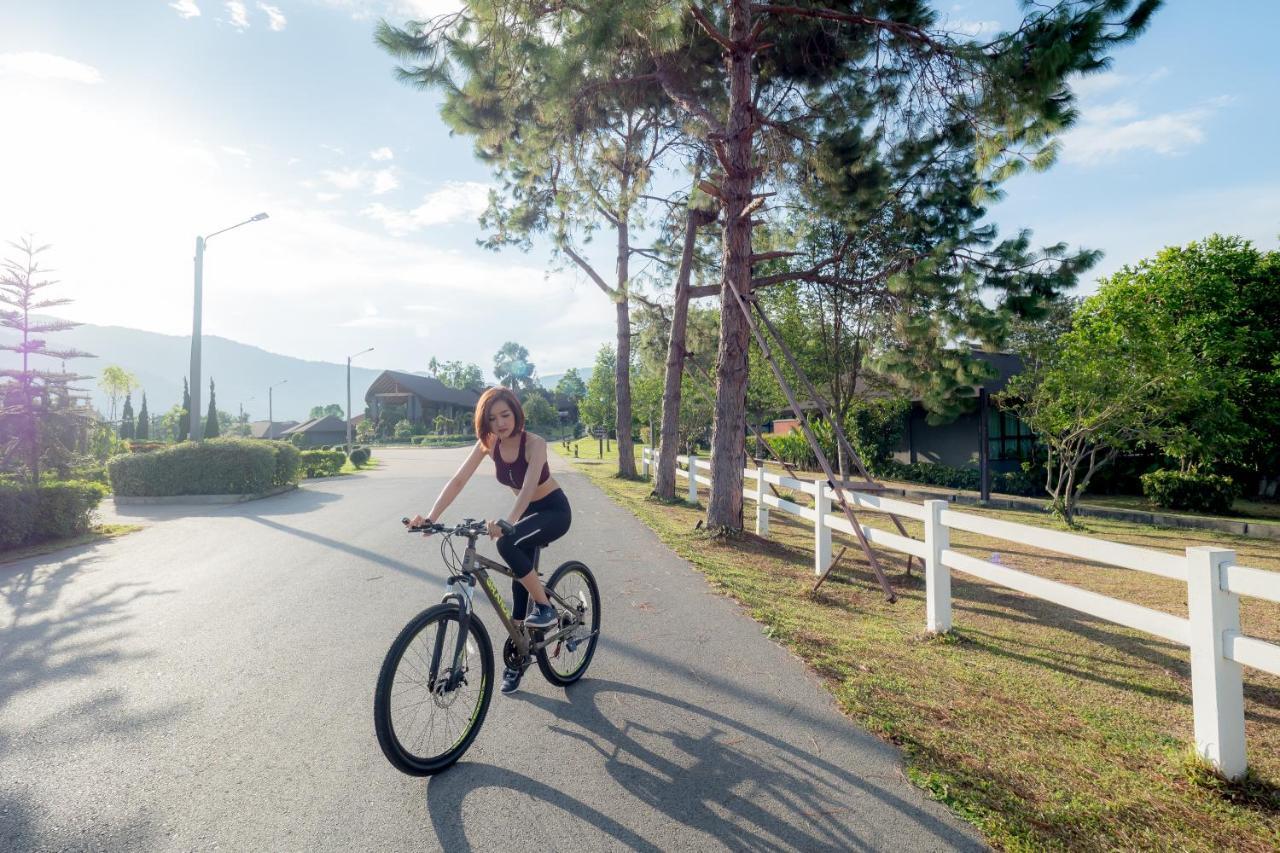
(551, 379)
(241, 371)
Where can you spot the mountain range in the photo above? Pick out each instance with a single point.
(242, 373)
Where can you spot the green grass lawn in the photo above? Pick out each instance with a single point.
(96, 533)
(1045, 728)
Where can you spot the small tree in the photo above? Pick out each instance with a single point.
(539, 413)
(572, 386)
(126, 418)
(116, 382)
(466, 377)
(184, 419)
(38, 410)
(512, 367)
(211, 426)
(404, 429)
(143, 432)
(598, 407)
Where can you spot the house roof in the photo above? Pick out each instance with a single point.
(270, 429)
(329, 423)
(427, 387)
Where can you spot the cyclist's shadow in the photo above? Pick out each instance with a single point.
(701, 779)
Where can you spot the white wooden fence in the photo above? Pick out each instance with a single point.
(1214, 586)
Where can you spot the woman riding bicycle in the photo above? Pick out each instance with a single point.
(541, 512)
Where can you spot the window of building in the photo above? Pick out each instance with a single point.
(1008, 438)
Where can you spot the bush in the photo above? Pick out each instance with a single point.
(1201, 492)
(221, 466)
(932, 474)
(146, 446)
(51, 511)
(360, 456)
(322, 463)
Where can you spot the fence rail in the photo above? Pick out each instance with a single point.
(1215, 583)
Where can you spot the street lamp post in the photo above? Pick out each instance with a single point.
(271, 406)
(196, 416)
(362, 352)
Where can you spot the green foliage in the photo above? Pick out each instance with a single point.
(127, 425)
(325, 411)
(539, 413)
(1214, 306)
(571, 385)
(874, 428)
(1199, 492)
(322, 463)
(360, 456)
(403, 429)
(143, 431)
(512, 367)
(465, 377)
(599, 407)
(211, 428)
(116, 382)
(444, 440)
(219, 467)
(50, 511)
(184, 414)
(146, 446)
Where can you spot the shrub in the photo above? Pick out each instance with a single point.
(403, 429)
(932, 474)
(1202, 492)
(51, 511)
(220, 466)
(322, 463)
(360, 456)
(146, 446)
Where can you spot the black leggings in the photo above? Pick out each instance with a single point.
(544, 522)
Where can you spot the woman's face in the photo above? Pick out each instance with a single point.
(501, 419)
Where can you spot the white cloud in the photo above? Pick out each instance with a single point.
(974, 28)
(239, 14)
(1116, 129)
(384, 181)
(48, 66)
(456, 201)
(275, 18)
(186, 8)
(345, 179)
(383, 153)
(237, 153)
(1088, 87)
(328, 197)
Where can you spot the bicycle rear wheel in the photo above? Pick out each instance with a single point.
(564, 661)
(424, 727)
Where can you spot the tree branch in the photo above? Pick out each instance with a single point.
(591, 273)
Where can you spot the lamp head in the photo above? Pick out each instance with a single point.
(258, 217)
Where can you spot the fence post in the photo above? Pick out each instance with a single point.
(937, 577)
(762, 509)
(644, 462)
(1217, 684)
(693, 477)
(821, 532)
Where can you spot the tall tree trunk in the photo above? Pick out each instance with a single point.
(728, 438)
(622, 372)
(668, 448)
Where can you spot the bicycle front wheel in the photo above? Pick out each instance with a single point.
(573, 591)
(425, 725)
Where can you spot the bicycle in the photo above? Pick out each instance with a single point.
(441, 673)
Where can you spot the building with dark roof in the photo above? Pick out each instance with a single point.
(420, 399)
(270, 429)
(318, 432)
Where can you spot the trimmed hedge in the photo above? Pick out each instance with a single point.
(51, 511)
(322, 463)
(360, 456)
(443, 440)
(1200, 492)
(221, 466)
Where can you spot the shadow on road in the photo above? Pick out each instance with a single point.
(346, 547)
(703, 770)
(301, 500)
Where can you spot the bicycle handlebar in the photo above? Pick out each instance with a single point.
(468, 527)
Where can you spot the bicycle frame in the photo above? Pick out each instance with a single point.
(476, 567)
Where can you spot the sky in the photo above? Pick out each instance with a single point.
(133, 126)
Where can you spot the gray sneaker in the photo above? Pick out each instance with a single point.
(511, 679)
(543, 616)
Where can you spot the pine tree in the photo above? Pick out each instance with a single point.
(184, 421)
(126, 417)
(39, 413)
(211, 421)
(143, 431)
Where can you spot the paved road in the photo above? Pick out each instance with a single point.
(207, 683)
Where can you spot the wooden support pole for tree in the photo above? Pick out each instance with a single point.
(826, 413)
(813, 443)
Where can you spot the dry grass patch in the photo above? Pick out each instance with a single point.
(1046, 728)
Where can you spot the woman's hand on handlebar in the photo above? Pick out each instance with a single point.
(495, 532)
(420, 521)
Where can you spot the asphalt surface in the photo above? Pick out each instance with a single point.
(207, 683)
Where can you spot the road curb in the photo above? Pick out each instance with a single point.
(199, 500)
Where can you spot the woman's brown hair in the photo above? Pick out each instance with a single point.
(487, 399)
